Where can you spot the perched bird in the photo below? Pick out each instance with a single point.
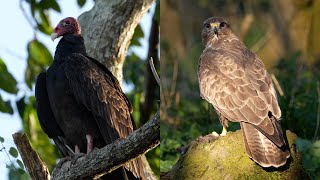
(235, 81)
(80, 104)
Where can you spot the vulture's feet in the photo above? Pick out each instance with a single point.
(76, 157)
(62, 161)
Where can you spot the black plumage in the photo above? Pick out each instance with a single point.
(80, 103)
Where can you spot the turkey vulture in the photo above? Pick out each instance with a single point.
(234, 80)
(80, 104)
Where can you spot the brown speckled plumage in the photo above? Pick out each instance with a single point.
(235, 81)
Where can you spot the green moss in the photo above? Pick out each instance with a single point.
(225, 158)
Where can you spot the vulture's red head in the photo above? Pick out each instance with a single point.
(66, 26)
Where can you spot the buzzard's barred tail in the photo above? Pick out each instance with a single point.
(261, 149)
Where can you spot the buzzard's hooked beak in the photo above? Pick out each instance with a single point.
(215, 27)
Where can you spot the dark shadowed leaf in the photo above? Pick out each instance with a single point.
(7, 81)
(1, 139)
(21, 105)
(157, 12)
(33, 7)
(17, 173)
(138, 33)
(13, 152)
(81, 2)
(49, 4)
(20, 164)
(5, 106)
(39, 58)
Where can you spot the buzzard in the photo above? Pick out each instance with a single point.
(235, 81)
(80, 104)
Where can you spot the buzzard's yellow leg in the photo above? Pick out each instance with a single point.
(224, 131)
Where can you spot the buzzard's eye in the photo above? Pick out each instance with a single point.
(207, 26)
(223, 24)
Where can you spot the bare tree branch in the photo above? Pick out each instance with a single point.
(36, 168)
(154, 71)
(112, 156)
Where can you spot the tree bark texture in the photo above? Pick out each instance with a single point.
(108, 28)
(112, 156)
(36, 168)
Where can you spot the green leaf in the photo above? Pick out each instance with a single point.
(81, 2)
(39, 58)
(138, 33)
(21, 171)
(49, 4)
(44, 24)
(39, 53)
(44, 18)
(33, 7)
(1, 139)
(20, 164)
(7, 81)
(13, 152)
(44, 28)
(5, 106)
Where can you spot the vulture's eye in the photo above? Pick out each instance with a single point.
(67, 23)
(207, 26)
(223, 24)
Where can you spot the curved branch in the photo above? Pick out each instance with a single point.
(112, 156)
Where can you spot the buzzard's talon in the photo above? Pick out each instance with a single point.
(215, 134)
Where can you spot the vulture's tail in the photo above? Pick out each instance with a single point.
(261, 149)
(137, 168)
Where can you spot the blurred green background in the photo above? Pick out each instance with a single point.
(18, 100)
(285, 36)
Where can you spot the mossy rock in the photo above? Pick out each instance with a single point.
(225, 157)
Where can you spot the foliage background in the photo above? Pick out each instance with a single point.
(283, 33)
(38, 14)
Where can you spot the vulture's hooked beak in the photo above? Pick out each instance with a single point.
(54, 36)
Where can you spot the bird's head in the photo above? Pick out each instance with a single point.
(214, 28)
(66, 26)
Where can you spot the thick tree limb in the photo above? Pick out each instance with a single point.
(36, 168)
(108, 28)
(112, 156)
